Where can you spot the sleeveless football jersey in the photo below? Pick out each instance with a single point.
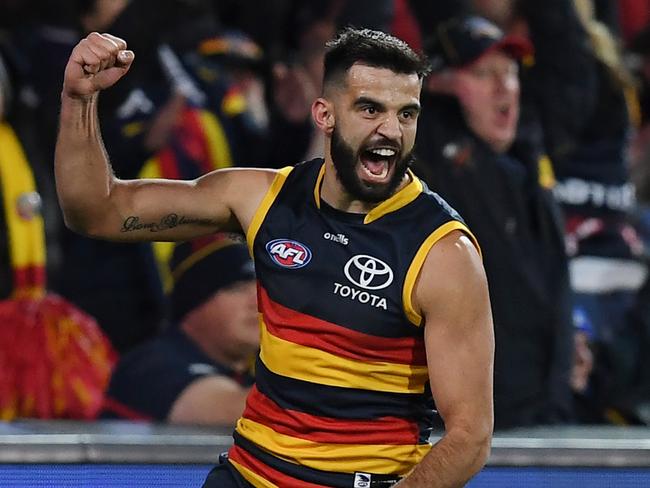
(341, 396)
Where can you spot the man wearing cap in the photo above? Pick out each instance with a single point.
(198, 370)
(471, 151)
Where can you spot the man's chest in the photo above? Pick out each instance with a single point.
(346, 273)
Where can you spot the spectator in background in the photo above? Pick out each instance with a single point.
(584, 98)
(293, 33)
(296, 81)
(55, 361)
(639, 389)
(22, 233)
(22, 34)
(115, 283)
(640, 56)
(559, 88)
(466, 152)
(597, 195)
(198, 371)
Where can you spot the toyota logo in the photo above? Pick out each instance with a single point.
(368, 272)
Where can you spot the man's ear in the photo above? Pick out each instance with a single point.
(322, 112)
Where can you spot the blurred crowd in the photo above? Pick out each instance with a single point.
(535, 127)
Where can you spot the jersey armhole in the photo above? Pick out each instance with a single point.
(265, 205)
(416, 265)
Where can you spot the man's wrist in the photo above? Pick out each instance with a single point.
(78, 101)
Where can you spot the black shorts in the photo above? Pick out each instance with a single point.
(225, 476)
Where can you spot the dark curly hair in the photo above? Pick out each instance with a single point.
(371, 48)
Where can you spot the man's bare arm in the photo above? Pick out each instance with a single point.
(97, 203)
(452, 295)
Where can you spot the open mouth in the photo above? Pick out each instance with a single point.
(503, 112)
(377, 162)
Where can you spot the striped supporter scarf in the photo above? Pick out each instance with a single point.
(25, 229)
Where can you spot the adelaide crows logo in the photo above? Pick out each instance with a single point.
(288, 253)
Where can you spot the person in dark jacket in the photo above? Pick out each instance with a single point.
(466, 152)
(197, 371)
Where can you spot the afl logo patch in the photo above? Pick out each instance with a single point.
(288, 254)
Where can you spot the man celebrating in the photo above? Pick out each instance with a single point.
(371, 291)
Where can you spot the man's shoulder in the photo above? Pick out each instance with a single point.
(153, 358)
(149, 377)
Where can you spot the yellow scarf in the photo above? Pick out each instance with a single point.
(26, 235)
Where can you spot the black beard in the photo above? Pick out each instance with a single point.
(345, 159)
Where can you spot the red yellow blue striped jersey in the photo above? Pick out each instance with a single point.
(341, 394)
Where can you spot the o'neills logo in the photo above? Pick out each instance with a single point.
(368, 273)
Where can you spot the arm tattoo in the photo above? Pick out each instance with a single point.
(170, 221)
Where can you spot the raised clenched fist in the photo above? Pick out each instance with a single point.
(95, 64)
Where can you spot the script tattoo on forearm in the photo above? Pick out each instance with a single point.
(170, 221)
